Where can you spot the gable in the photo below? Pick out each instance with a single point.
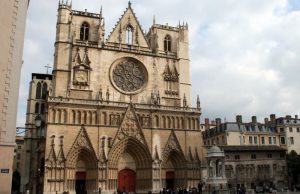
(130, 127)
(118, 35)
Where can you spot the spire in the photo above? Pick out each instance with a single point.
(154, 20)
(101, 12)
(198, 102)
(184, 101)
(71, 4)
(129, 4)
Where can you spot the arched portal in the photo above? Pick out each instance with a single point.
(82, 171)
(173, 170)
(131, 158)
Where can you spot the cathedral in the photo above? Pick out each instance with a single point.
(117, 112)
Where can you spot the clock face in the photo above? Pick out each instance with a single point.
(129, 76)
(81, 76)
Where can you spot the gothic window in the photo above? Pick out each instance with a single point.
(167, 43)
(42, 108)
(44, 91)
(84, 118)
(64, 115)
(164, 122)
(73, 116)
(95, 117)
(36, 109)
(38, 91)
(78, 117)
(59, 116)
(156, 120)
(129, 34)
(54, 116)
(84, 31)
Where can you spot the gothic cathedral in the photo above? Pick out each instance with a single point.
(118, 113)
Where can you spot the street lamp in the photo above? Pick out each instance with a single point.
(38, 123)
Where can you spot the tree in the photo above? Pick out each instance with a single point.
(293, 165)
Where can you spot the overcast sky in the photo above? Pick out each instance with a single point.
(245, 54)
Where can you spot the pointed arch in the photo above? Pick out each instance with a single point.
(167, 43)
(44, 90)
(38, 90)
(37, 108)
(84, 31)
(129, 35)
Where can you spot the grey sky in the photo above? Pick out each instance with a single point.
(244, 54)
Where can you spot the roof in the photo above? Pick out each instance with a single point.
(250, 148)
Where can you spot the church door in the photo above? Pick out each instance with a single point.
(126, 180)
(170, 176)
(80, 182)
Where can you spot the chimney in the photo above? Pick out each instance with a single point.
(272, 117)
(206, 122)
(254, 119)
(296, 116)
(218, 121)
(288, 117)
(266, 121)
(239, 119)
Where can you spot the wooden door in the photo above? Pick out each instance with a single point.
(80, 184)
(126, 180)
(170, 177)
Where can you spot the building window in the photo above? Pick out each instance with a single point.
(43, 108)
(227, 157)
(223, 140)
(282, 155)
(237, 157)
(298, 129)
(282, 140)
(263, 140)
(269, 155)
(38, 91)
(292, 140)
(129, 33)
(84, 31)
(167, 43)
(37, 108)
(218, 141)
(281, 130)
(44, 91)
(255, 139)
(19, 147)
(270, 140)
(291, 130)
(253, 156)
(274, 140)
(250, 140)
(19, 156)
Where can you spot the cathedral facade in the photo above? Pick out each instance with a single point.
(118, 111)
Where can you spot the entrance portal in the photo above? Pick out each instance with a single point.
(170, 177)
(80, 184)
(126, 180)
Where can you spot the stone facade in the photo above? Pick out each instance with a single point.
(119, 107)
(12, 22)
(255, 155)
(34, 141)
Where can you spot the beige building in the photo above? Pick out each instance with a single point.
(289, 130)
(17, 165)
(254, 153)
(119, 113)
(12, 22)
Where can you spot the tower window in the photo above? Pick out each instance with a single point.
(44, 91)
(129, 33)
(84, 31)
(167, 43)
(38, 91)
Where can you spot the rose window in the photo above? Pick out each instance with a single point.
(129, 76)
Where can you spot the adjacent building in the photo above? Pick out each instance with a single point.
(17, 165)
(12, 22)
(118, 112)
(255, 153)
